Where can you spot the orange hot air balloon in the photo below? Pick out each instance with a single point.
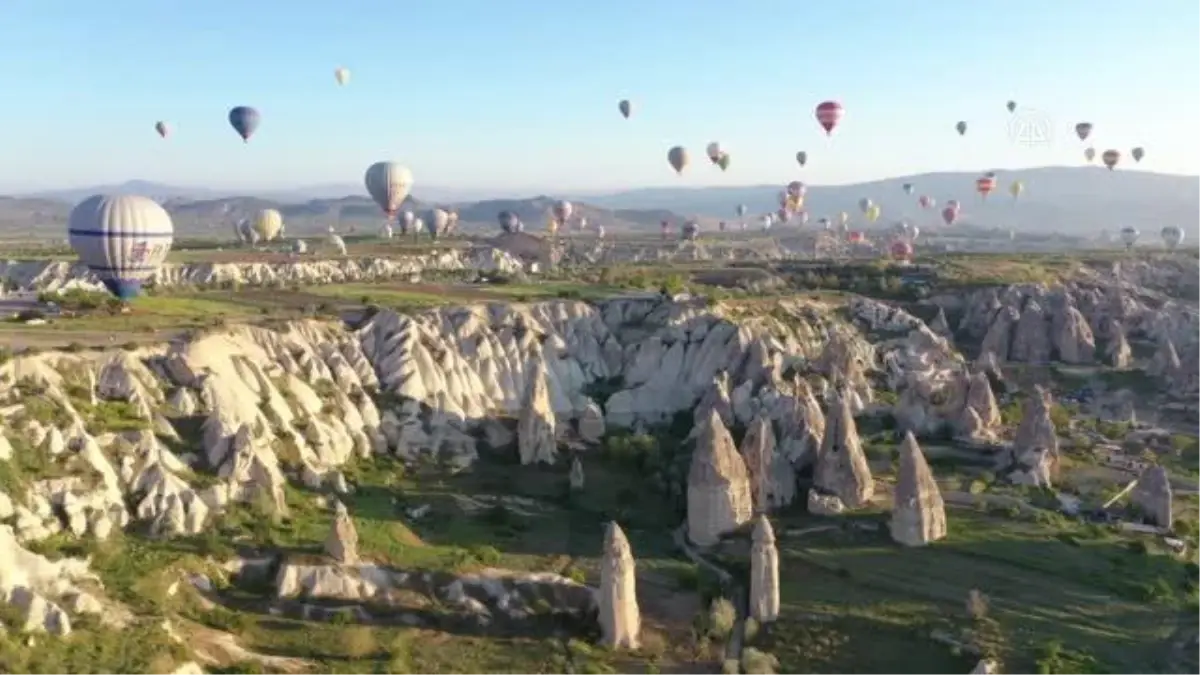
(985, 185)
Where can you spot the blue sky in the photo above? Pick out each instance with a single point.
(522, 95)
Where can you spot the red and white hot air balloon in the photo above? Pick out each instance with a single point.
(900, 250)
(984, 185)
(829, 113)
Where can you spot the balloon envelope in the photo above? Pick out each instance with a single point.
(162, 129)
(1138, 153)
(625, 107)
(901, 250)
(677, 157)
(244, 121)
(1011, 105)
(1089, 154)
(122, 239)
(388, 183)
(949, 214)
(1083, 130)
(829, 114)
(961, 127)
(267, 224)
(802, 158)
(1172, 236)
(1110, 158)
(342, 75)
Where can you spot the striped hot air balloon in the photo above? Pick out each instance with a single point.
(122, 239)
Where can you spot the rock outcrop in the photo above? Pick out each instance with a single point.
(918, 514)
(718, 489)
(842, 470)
(758, 452)
(1152, 496)
(342, 542)
(764, 572)
(1035, 447)
(1117, 353)
(537, 423)
(1073, 338)
(620, 618)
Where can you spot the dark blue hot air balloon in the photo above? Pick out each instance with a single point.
(244, 120)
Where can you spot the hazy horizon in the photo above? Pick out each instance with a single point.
(537, 111)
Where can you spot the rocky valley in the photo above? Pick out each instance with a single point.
(999, 478)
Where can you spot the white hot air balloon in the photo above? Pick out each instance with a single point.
(338, 244)
(1129, 236)
(299, 247)
(267, 224)
(122, 239)
(386, 231)
(406, 221)
(418, 225)
(1172, 237)
(438, 220)
(388, 183)
(342, 75)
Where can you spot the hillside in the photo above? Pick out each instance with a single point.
(1068, 200)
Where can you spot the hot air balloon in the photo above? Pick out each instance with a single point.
(560, 213)
(406, 221)
(953, 204)
(900, 250)
(1110, 158)
(829, 114)
(299, 247)
(865, 204)
(1172, 236)
(741, 210)
(388, 183)
(342, 75)
(723, 161)
(678, 159)
(908, 188)
(121, 238)
(1138, 153)
(802, 158)
(901, 228)
(418, 226)
(843, 218)
(625, 107)
(1129, 237)
(984, 185)
(961, 127)
(1016, 189)
(949, 214)
(855, 237)
(162, 129)
(386, 231)
(438, 219)
(721, 226)
(267, 223)
(244, 121)
(1011, 105)
(338, 244)
(1089, 154)
(873, 213)
(509, 222)
(825, 224)
(1083, 130)
(767, 221)
(690, 230)
(926, 202)
(713, 151)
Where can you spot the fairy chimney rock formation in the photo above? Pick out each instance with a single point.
(718, 492)
(536, 423)
(1118, 353)
(716, 397)
(1035, 447)
(918, 515)
(620, 619)
(939, 324)
(842, 469)
(803, 427)
(576, 476)
(758, 452)
(1152, 495)
(342, 542)
(764, 572)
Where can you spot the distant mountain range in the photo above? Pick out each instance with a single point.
(1067, 200)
